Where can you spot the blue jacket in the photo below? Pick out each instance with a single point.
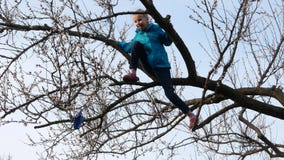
(153, 38)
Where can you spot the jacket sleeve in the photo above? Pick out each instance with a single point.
(164, 38)
(126, 46)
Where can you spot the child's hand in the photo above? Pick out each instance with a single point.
(168, 18)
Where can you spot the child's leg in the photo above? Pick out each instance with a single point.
(137, 53)
(164, 77)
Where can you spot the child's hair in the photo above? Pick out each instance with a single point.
(141, 10)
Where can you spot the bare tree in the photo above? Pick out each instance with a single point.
(8, 157)
(55, 62)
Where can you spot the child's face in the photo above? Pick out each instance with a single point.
(141, 21)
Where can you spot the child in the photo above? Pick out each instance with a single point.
(147, 47)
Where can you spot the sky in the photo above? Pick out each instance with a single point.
(13, 142)
(13, 136)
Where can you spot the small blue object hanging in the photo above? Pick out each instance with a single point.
(78, 120)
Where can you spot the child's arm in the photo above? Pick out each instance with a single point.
(126, 46)
(164, 38)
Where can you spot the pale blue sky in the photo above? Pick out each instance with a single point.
(13, 136)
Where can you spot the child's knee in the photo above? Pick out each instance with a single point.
(137, 45)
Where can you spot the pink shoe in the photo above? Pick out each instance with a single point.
(192, 121)
(130, 77)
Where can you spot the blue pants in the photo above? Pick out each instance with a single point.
(163, 75)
